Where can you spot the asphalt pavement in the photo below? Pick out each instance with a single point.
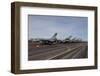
(58, 51)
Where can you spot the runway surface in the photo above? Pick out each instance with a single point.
(58, 51)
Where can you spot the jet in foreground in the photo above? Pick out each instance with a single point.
(49, 41)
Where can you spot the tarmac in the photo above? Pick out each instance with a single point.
(58, 51)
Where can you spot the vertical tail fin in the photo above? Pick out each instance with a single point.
(54, 36)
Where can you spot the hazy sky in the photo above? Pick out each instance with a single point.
(45, 26)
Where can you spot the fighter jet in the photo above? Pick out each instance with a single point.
(68, 39)
(76, 40)
(49, 41)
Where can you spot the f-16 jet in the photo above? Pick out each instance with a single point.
(68, 39)
(49, 41)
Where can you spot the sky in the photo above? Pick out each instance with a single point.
(43, 26)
